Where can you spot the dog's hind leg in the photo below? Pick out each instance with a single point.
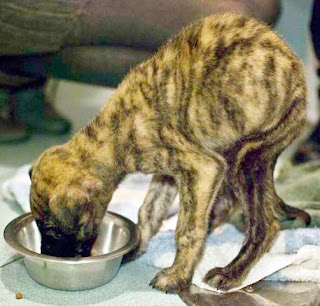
(159, 198)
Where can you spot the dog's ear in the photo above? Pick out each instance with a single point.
(74, 207)
(30, 173)
(65, 206)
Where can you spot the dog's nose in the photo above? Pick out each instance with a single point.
(62, 247)
(66, 247)
(58, 249)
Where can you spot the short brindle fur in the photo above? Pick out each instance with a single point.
(208, 115)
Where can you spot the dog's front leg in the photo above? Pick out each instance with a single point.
(200, 179)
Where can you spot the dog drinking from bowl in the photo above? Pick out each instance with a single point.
(197, 116)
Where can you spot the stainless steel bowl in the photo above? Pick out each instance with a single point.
(117, 236)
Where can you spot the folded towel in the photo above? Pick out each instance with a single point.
(295, 255)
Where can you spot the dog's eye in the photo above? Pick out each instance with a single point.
(30, 173)
(53, 234)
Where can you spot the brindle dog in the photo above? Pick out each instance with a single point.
(208, 115)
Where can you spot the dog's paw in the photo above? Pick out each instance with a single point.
(169, 280)
(221, 279)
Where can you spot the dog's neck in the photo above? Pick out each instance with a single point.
(105, 145)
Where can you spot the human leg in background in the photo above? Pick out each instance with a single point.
(96, 29)
(25, 109)
(310, 149)
(28, 101)
(29, 27)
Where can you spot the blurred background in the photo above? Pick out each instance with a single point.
(78, 102)
(76, 96)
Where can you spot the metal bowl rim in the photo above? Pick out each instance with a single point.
(12, 241)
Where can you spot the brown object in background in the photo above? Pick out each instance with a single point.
(19, 295)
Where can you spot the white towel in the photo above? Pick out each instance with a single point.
(295, 255)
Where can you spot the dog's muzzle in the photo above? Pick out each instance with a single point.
(64, 245)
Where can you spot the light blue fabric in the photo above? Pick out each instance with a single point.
(297, 238)
(163, 244)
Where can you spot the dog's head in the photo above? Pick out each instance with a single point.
(68, 203)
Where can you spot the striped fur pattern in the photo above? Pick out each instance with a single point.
(208, 115)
